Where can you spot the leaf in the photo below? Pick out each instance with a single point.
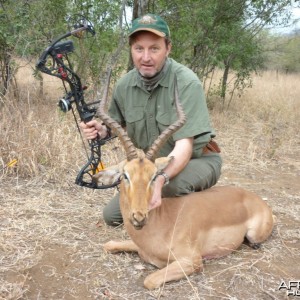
(12, 163)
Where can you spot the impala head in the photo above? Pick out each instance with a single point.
(138, 172)
(137, 187)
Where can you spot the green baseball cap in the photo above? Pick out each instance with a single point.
(152, 23)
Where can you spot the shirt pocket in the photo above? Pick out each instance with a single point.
(163, 121)
(136, 126)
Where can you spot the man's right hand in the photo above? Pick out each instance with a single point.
(92, 129)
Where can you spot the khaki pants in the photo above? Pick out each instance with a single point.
(199, 174)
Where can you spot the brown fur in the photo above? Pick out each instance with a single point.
(176, 236)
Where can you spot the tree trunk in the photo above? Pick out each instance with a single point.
(5, 73)
(224, 82)
(140, 8)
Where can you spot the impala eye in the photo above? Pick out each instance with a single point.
(125, 176)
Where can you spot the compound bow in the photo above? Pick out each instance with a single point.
(54, 61)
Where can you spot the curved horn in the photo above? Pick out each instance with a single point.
(163, 137)
(130, 149)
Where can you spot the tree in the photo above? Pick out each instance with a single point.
(206, 35)
(282, 52)
(221, 34)
(22, 31)
(29, 26)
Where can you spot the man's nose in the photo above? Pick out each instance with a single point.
(146, 55)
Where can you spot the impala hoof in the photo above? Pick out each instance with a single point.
(255, 246)
(151, 282)
(110, 246)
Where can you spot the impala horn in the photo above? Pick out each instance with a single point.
(130, 149)
(163, 137)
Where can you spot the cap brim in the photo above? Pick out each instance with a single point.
(159, 33)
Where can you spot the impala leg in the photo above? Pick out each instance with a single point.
(260, 231)
(121, 246)
(174, 271)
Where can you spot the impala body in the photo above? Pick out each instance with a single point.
(176, 236)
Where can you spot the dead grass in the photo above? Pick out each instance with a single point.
(51, 231)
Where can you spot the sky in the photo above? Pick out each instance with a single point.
(296, 25)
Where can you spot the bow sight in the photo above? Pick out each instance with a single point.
(54, 61)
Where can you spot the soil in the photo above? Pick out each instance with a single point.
(52, 236)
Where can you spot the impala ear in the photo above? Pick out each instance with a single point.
(162, 162)
(109, 175)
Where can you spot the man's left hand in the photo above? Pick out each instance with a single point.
(156, 197)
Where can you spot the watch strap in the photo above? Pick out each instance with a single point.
(166, 176)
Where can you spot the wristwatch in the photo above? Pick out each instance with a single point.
(166, 176)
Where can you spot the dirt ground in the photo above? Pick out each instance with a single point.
(51, 238)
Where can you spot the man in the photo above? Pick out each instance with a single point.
(143, 103)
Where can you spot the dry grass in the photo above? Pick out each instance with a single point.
(51, 231)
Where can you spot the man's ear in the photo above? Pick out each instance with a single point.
(169, 48)
(162, 162)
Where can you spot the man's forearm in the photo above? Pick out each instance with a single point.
(182, 153)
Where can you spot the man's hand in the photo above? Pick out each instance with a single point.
(156, 197)
(182, 153)
(92, 129)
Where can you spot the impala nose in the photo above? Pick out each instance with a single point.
(138, 220)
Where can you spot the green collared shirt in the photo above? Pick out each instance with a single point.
(146, 114)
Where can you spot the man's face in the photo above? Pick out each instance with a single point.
(149, 52)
